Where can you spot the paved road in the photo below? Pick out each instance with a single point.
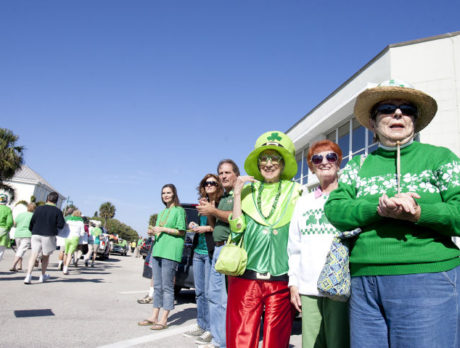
(90, 307)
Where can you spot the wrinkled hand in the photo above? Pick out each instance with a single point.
(206, 208)
(402, 206)
(240, 181)
(295, 298)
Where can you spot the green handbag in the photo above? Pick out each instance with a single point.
(232, 259)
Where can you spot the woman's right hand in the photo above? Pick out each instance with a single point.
(295, 298)
(240, 181)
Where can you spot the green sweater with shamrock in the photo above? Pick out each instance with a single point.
(389, 246)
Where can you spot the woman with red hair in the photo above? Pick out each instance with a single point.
(324, 321)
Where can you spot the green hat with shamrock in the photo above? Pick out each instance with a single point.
(273, 140)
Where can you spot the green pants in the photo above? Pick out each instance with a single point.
(324, 323)
(71, 244)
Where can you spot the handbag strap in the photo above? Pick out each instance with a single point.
(229, 240)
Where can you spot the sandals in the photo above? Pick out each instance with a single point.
(146, 322)
(158, 326)
(145, 300)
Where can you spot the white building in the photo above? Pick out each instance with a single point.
(27, 183)
(431, 65)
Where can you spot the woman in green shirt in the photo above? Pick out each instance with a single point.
(22, 235)
(169, 233)
(262, 212)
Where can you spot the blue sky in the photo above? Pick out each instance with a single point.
(112, 99)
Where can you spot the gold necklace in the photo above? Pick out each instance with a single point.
(165, 220)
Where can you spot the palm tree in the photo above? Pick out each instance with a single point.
(106, 211)
(153, 219)
(11, 158)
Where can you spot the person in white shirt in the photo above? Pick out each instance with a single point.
(324, 321)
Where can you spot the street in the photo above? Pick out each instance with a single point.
(90, 307)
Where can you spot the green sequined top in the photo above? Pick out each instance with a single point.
(265, 240)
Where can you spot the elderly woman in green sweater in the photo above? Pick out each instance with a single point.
(405, 196)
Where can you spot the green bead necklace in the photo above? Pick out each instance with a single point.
(275, 203)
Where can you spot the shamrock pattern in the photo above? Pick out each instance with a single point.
(428, 181)
(316, 222)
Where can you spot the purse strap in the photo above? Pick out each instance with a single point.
(240, 243)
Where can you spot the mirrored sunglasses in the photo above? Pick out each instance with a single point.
(274, 159)
(331, 157)
(388, 109)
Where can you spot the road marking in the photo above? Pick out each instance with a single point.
(148, 338)
(134, 292)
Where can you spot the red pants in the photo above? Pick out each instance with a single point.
(246, 300)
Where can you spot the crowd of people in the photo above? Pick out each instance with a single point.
(44, 229)
(403, 198)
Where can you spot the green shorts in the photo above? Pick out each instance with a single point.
(71, 244)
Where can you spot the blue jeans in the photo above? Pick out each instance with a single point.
(163, 271)
(414, 310)
(201, 267)
(217, 297)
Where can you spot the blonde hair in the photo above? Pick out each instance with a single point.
(77, 213)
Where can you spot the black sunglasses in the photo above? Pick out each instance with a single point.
(331, 157)
(387, 109)
(210, 183)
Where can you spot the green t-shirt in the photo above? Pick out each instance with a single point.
(22, 222)
(96, 232)
(168, 246)
(222, 229)
(201, 247)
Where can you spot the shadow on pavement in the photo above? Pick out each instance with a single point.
(181, 317)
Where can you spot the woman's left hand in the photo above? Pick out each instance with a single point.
(402, 207)
(157, 230)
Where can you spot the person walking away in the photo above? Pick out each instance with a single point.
(324, 321)
(209, 190)
(261, 215)
(228, 171)
(45, 222)
(76, 230)
(94, 240)
(6, 222)
(406, 199)
(22, 235)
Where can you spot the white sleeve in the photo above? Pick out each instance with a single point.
(294, 245)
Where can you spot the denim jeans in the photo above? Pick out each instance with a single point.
(201, 268)
(164, 271)
(414, 310)
(217, 297)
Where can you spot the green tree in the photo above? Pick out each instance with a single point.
(153, 219)
(11, 158)
(107, 211)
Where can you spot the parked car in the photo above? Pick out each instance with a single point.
(184, 273)
(104, 246)
(119, 249)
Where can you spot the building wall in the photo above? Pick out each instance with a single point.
(431, 66)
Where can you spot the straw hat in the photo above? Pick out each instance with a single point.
(394, 89)
(273, 140)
